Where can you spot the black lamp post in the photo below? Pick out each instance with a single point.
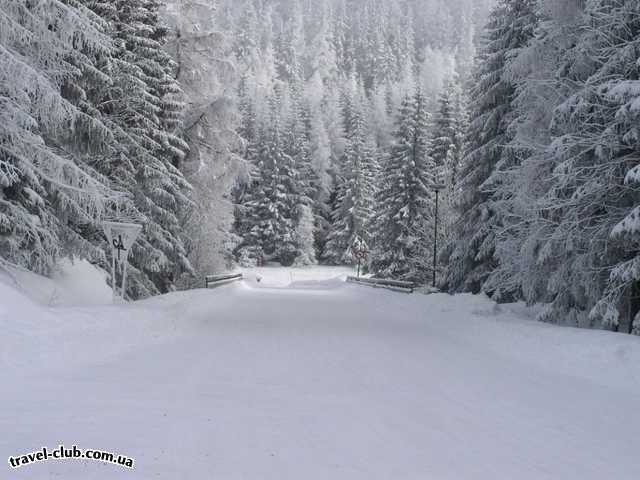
(437, 187)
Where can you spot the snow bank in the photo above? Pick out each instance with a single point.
(76, 282)
(511, 333)
(275, 276)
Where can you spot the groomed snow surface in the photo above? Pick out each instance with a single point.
(315, 379)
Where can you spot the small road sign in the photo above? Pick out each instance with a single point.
(121, 237)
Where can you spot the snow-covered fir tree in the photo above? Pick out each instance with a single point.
(448, 147)
(404, 198)
(48, 192)
(448, 134)
(470, 253)
(306, 186)
(144, 102)
(532, 249)
(353, 212)
(560, 196)
(270, 210)
(596, 152)
(618, 81)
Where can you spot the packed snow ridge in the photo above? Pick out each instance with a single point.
(302, 376)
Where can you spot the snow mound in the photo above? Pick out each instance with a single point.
(275, 276)
(76, 282)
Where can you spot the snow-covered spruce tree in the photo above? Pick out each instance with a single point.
(470, 254)
(403, 203)
(48, 193)
(248, 191)
(353, 213)
(321, 159)
(543, 246)
(306, 185)
(249, 249)
(144, 101)
(84, 143)
(448, 134)
(619, 77)
(252, 207)
(595, 192)
(286, 192)
(93, 92)
(322, 73)
(271, 212)
(522, 262)
(448, 147)
(247, 188)
(319, 88)
(164, 186)
(290, 42)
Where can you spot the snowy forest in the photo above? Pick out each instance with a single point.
(239, 132)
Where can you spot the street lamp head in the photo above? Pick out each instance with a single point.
(438, 186)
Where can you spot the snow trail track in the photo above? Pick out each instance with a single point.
(317, 380)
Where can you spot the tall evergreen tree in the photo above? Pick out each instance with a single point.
(538, 251)
(403, 201)
(48, 191)
(448, 133)
(355, 189)
(448, 146)
(247, 196)
(144, 102)
(597, 148)
(471, 253)
(305, 187)
(271, 209)
(619, 80)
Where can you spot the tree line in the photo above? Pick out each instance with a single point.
(351, 113)
(548, 198)
(540, 167)
(172, 113)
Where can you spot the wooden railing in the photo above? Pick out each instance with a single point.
(396, 285)
(213, 281)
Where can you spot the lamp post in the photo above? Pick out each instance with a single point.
(437, 188)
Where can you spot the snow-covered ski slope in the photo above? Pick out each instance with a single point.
(315, 380)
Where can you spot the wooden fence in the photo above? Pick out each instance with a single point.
(213, 281)
(396, 285)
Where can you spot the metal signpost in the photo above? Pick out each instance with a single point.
(121, 237)
(360, 252)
